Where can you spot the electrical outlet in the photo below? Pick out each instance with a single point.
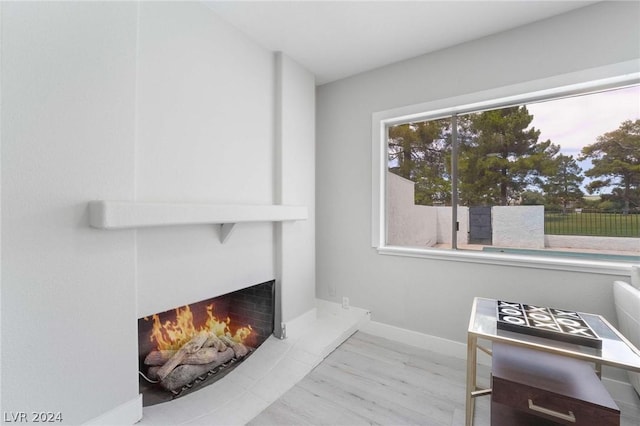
(345, 302)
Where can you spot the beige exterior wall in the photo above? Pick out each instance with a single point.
(518, 226)
(408, 224)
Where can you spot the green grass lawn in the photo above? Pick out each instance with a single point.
(598, 224)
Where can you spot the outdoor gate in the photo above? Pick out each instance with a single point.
(480, 225)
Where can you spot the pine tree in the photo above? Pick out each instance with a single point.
(420, 152)
(504, 158)
(563, 187)
(616, 160)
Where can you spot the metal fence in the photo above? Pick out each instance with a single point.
(592, 223)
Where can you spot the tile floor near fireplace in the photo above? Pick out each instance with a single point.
(263, 377)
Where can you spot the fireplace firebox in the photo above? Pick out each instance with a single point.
(186, 348)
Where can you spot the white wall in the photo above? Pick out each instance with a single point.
(295, 185)
(432, 296)
(68, 291)
(149, 101)
(205, 134)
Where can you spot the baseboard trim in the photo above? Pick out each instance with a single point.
(125, 414)
(421, 340)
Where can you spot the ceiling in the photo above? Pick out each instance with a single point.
(337, 39)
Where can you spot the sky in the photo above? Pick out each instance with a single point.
(578, 121)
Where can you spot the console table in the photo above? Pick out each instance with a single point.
(616, 350)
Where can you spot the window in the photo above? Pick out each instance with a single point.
(549, 177)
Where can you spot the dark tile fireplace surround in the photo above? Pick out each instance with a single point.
(183, 349)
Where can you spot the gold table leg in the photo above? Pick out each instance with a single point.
(472, 354)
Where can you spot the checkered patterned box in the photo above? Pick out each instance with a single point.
(552, 323)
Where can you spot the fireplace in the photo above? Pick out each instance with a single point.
(183, 349)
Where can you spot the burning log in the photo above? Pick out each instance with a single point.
(188, 373)
(158, 357)
(239, 349)
(203, 356)
(152, 372)
(215, 342)
(188, 348)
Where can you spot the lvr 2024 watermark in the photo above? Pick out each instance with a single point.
(32, 417)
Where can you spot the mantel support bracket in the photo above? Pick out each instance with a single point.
(225, 231)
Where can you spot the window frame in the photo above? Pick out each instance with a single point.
(566, 85)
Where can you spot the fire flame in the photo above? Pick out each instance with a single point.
(172, 335)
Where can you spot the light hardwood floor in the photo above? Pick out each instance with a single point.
(372, 380)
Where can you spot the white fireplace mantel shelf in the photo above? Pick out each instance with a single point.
(129, 214)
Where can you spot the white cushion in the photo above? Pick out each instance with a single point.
(627, 301)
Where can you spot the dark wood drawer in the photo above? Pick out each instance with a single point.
(553, 388)
(504, 415)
